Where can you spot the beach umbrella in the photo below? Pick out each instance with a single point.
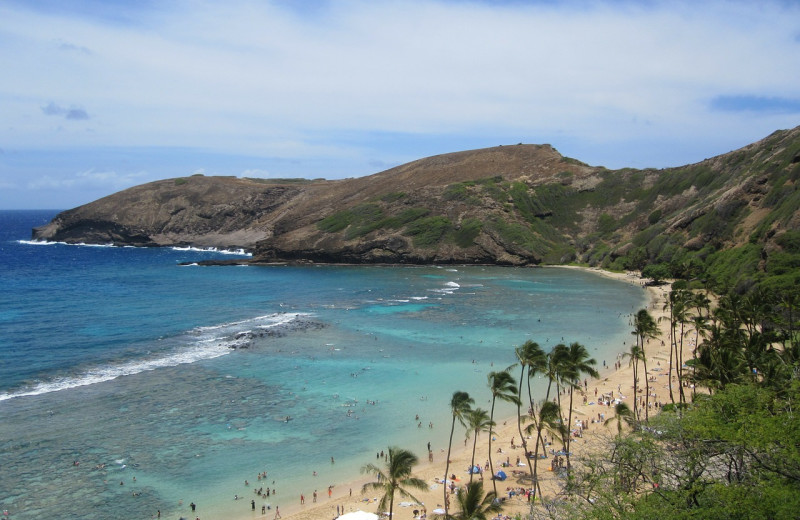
(500, 475)
(359, 515)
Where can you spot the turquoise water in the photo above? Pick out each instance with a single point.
(122, 360)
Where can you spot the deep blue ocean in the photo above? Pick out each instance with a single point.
(118, 363)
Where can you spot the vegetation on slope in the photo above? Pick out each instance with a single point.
(727, 222)
(726, 444)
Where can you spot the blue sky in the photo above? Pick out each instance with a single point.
(97, 96)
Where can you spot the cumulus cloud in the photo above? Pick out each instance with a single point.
(661, 81)
(72, 113)
(250, 75)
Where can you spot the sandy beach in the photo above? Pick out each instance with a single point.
(347, 497)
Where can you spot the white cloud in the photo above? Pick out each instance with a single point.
(257, 78)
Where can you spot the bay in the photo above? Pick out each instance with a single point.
(118, 363)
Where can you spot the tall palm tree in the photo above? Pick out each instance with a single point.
(678, 303)
(531, 357)
(549, 366)
(474, 505)
(396, 477)
(576, 365)
(788, 302)
(503, 387)
(644, 327)
(701, 320)
(477, 421)
(460, 404)
(635, 355)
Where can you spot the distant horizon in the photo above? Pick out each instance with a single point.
(98, 97)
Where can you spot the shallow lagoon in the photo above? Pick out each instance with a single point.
(325, 343)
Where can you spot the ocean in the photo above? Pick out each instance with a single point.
(130, 383)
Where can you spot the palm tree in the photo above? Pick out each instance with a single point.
(477, 421)
(396, 477)
(459, 406)
(635, 355)
(503, 387)
(700, 320)
(622, 414)
(548, 365)
(644, 327)
(474, 505)
(531, 356)
(577, 363)
(678, 303)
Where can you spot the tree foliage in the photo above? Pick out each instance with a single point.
(732, 455)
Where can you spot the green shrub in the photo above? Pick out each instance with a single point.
(405, 216)
(466, 234)
(457, 192)
(654, 217)
(428, 231)
(735, 268)
(606, 224)
(393, 197)
(366, 218)
(789, 241)
(783, 263)
(336, 222)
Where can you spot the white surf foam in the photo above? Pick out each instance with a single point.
(208, 343)
(240, 252)
(49, 243)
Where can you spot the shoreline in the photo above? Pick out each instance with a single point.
(346, 497)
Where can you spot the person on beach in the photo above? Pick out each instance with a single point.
(277, 512)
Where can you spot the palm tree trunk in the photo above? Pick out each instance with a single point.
(635, 387)
(680, 369)
(447, 464)
(561, 416)
(569, 428)
(672, 346)
(532, 465)
(539, 427)
(519, 420)
(474, 445)
(646, 385)
(491, 431)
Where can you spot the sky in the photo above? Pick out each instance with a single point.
(97, 96)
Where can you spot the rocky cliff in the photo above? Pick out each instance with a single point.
(512, 205)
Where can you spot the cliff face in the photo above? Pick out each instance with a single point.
(202, 211)
(512, 205)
